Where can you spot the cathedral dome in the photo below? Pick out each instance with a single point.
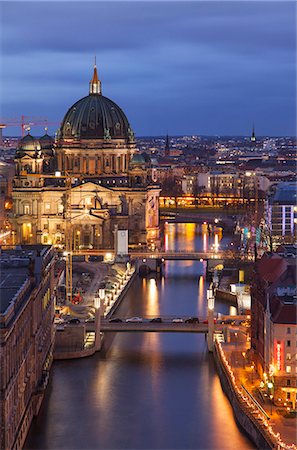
(95, 117)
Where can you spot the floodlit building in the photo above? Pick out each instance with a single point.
(92, 174)
(26, 337)
(274, 325)
(282, 213)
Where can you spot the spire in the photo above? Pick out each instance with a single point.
(95, 83)
(253, 137)
(167, 146)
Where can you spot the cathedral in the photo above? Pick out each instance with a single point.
(91, 176)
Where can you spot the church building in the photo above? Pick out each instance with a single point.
(91, 176)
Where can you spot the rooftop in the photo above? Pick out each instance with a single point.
(16, 267)
(286, 193)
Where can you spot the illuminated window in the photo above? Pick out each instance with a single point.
(60, 208)
(47, 206)
(288, 369)
(288, 356)
(26, 209)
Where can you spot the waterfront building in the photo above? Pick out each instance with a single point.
(236, 183)
(93, 174)
(282, 213)
(26, 337)
(274, 325)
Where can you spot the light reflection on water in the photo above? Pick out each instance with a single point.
(147, 390)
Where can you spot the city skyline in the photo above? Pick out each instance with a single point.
(224, 65)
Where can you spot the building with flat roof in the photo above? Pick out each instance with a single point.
(282, 213)
(26, 337)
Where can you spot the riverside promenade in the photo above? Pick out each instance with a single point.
(79, 341)
(264, 425)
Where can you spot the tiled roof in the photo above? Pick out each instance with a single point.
(270, 268)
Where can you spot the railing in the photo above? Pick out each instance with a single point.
(257, 415)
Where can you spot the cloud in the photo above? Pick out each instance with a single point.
(191, 56)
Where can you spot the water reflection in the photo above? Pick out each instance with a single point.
(149, 390)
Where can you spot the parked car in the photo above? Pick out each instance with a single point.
(134, 319)
(177, 320)
(192, 320)
(59, 320)
(115, 320)
(156, 320)
(74, 320)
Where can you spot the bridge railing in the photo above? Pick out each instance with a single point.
(164, 318)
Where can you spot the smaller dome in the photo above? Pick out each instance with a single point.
(46, 142)
(29, 144)
(137, 160)
(146, 157)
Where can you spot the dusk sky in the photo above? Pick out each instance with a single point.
(204, 67)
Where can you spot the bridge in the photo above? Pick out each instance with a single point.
(167, 324)
(165, 254)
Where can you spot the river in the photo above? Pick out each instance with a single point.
(150, 390)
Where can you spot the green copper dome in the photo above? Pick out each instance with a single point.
(29, 144)
(95, 117)
(137, 159)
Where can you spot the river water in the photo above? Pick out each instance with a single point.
(146, 390)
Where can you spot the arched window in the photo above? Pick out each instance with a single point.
(26, 208)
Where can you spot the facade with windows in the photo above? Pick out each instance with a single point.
(274, 326)
(282, 213)
(92, 176)
(26, 337)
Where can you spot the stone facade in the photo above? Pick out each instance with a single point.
(92, 175)
(26, 337)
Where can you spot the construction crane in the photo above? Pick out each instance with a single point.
(68, 238)
(24, 122)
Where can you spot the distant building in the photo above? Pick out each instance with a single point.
(253, 136)
(239, 184)
(274, 324)
(282, 213)
(26, 337)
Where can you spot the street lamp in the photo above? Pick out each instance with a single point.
(210, 299)
(252, 369)
(97, 304)
(271, 397)
(210, 315)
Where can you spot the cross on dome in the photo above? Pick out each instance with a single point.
(95, 83)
